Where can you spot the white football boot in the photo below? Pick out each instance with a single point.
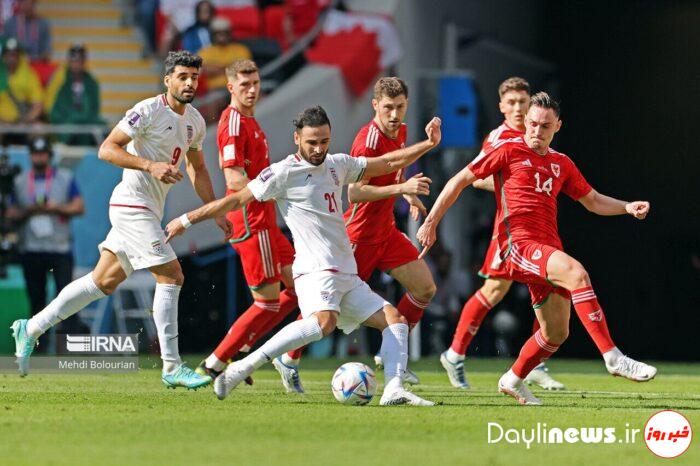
(540, 376)
(630, 369)
(401, 396)
(517, 390)
(234, 374)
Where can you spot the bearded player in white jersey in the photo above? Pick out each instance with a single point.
(307, 187)
(157, 133)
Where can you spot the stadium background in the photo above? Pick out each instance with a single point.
(627, 82)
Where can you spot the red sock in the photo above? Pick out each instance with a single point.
(411, 308)
(535, 326)
(535, 350)
(246, 326)
(473, 313)
(591, 315)
(288, 302)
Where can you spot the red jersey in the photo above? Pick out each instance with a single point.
(526, 186)
(371, 222)
(243, 144)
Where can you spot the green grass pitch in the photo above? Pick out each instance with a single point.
(48, 419)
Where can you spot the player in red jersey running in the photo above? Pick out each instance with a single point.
(376, 242)
(514, 94)
(266, 254)
(528, 177)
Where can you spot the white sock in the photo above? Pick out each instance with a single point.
(510, 379)
(289, 361)
(298, 333)
(165, 315)
(394, 352)
(74, 297)
(611, 356)
(212, 362)
(453, 356)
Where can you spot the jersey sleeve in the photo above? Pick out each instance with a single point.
(489, 162)
(233, 148)
(352, 168)
(270, 183)
(200, 132)
(575, 185)
(362, 146)
(136, 120)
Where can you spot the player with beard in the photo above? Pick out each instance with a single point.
(307, 187)
(149, 143)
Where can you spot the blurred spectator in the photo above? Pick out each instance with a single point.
(7, 10)
(21, 95)
(45, 199)
(31, 31)
(198, 36)
(73, 96)
(146, 17)
(178, 16)
(221, 53)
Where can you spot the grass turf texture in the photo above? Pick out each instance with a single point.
(132, 419)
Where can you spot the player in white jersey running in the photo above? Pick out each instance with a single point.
(308, 187)
(157, 132)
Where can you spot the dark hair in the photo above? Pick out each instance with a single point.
(312, 117)
(513, 84)
(181, 58)
(390, 87)
(543, 100)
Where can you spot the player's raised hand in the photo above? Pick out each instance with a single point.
(225, 226)
(418, 185)
(164, 172)
(638, 209)
(173, 229)
(427, 235)
(433, 131)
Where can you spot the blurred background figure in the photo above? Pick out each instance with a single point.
(222, 52)
(31, 30)
(73, 96)
(198, 35)
(45, 199)
(21, 94)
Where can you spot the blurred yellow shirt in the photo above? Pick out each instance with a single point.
(222, 55)
(26, 88)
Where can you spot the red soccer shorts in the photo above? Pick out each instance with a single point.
(527, 263)
(493, 267)
(394, 252)
(263, 255)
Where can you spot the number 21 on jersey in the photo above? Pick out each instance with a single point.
(332, 205)
(545, 187)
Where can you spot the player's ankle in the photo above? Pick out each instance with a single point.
(453, 356)
(611, 356)
(287, 361)
(213, 362)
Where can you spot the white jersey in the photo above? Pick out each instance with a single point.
(160, 134)
(309, 198)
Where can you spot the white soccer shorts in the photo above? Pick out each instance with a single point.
(137, 239)
(346, 293)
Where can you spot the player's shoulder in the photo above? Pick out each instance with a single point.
(508, 143)
(152, 104)
(234, 122)
(193, 115)
(559, 155)
(367, 138)
(338, 158)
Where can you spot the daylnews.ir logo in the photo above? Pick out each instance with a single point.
(668, 434)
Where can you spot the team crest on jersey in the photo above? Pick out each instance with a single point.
(157, 247)
(266, 174)
(556, 169)
(133, 118)
(325, 295)
(537, 255)
(335, 177)
(190, 133)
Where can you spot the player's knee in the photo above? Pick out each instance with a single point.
(495, 290)
(425, 291)
(107, 284)
(327, 321)
(578, 277)
(393, 316)
(555, 334)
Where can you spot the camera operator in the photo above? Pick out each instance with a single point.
(45, 199)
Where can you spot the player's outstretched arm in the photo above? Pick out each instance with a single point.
(361, 191)
(213, 209)
(199, 176)
(112, 151)
(486, 184)
(605, 205)
(427, 233)
(398, 159)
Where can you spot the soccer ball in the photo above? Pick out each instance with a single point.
(354, 383)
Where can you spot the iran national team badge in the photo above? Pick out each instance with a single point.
(157, 247)
(556, 170)
(325, 295)
(335, 177)
(668, 434)
(190, 134)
